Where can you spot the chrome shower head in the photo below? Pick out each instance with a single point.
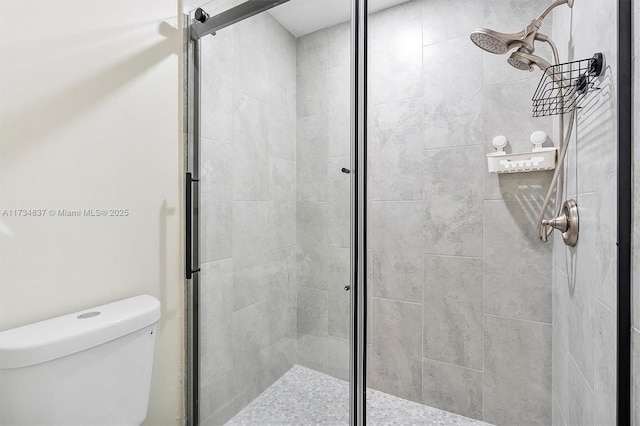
(500, 43)
(495, 42)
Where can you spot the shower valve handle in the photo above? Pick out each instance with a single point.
(567, 223)
(561, 223)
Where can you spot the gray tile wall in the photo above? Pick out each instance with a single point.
(584, 277)
(460, 308)
(323, 149)
(248, 185)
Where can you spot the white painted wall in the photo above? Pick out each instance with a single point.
(89, 119)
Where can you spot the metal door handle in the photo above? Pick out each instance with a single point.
(189, 269)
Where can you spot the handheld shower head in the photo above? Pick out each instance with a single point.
(525, 61)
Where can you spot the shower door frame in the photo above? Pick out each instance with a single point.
(358, 284)
(624, 265)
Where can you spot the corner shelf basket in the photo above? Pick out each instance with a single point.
(563, 86)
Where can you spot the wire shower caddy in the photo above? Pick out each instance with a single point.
(563, 86)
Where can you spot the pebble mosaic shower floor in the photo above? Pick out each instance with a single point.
(306, 397)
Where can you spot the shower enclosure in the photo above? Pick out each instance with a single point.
(351, 258)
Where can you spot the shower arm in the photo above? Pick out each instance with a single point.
(550, 8)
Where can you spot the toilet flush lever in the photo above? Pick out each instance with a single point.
(567, 223)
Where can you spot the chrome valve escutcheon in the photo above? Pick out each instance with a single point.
(567, 223)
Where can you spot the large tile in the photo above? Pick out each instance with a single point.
(216, 236)
(596, 137)
(606, 258)
(339, 48)
(250, 165)
(606, 18)
(560, 352)
(251, 348)
(282, 296)
(452, 388)
(339, 110)
(453, 94)
(453, 201)
(312, 328)
(581, 400)
(252, 284)
(583, 280)
(312, 259)
(508, 112)
(221, 401)
(282, 92)
(282, 195)
(339, 203)
(338, 357)
(253, 233)
(216, 94)
(282, 356)
(396, 162)
(453, 324)
(251, 70)
(447, 19)
(215, 200)
(312, 153)
(216, 310)
(396, 349)
(517, 266)
(517, 372)
(556, 415)
(312, 352)
(312, 311)
(396, 53)
(252, 251)
(339, 299)
(312, 59)
(396, 269)
(604, 385)
(215, 169)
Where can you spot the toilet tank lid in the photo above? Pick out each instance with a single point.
(57, 337)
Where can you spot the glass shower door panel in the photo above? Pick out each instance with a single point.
(275, 224)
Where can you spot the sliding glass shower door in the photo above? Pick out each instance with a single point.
(351, 256)
(270, 137)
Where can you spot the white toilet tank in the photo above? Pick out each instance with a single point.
(92, 367)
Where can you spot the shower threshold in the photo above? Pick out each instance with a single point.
(303, 397)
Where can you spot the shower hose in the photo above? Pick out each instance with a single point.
(558, 175)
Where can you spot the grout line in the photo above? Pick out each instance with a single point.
(553, 397)
(421, 200)
(581, 373)
(395, 101)
(449, 148)
(517, 319)
(396, 300)
(454, 256)
(453, 365)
